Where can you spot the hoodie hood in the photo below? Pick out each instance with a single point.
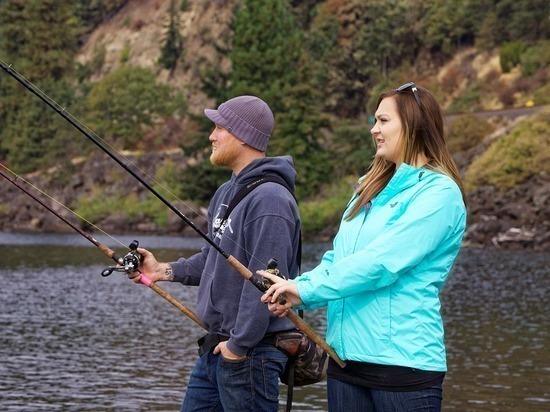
(280, 165)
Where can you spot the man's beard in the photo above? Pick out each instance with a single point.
(224, 157)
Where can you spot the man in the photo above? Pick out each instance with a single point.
(238, 369)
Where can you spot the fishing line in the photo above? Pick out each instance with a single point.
(84, 128)
(19, 177)
(127, 264)
(236, 264)
(103, 145)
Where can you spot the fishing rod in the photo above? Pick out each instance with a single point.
(73, 121)
(238, 266)
(127, 264)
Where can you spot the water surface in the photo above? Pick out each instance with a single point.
(72, 340)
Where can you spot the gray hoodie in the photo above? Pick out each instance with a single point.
(264, 225)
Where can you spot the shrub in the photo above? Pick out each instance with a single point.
(515, 157)
(535, 58)
(351, 141)
(97, 207)
(320, 215)
(542, 95)
(466, 132)
(510, 55)
(128, 101)
(507, 97)
(468, 101)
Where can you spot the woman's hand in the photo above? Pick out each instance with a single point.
(280, 288)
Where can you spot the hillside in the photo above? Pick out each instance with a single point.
(511, 218)
(138, 28)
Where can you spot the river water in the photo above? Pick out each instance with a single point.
(72, 340)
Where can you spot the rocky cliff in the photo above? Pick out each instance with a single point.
(517, 218)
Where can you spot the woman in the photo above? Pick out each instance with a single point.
(397, 241)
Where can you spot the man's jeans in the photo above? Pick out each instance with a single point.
(346, 397)
(217, 384)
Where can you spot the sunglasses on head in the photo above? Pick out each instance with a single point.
(413, 88)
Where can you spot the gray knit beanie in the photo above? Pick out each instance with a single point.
(248, 118)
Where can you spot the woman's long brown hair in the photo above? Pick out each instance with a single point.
(423, 133)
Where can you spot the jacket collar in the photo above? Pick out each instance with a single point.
(405, 176)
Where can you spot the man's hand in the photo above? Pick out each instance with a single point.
(151, 268)
(226, 353)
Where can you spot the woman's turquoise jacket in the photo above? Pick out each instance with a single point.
(382, 279)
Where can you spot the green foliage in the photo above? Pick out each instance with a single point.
(522, 20)
(356, 44)
(447, 25)
(97, 207)
(168, 176)
(515, 157)
(46, 26)
(485, 33)
(535, 58)
(298, 134)
(173, 41)
(326, 212)
(266, 50)
(94, 12)
(125, 53)
(507, 21)
(542, 95)
(13, 19)
(352, 141)
(126, 101)
(266, 61)
(323, 48)
(45, 30)
(468, 101)
(466, 132)
(84, 71)
(438, 24)
(319, 60)
(34, 135)
(199, 182)
(341, 59)
(510, 55)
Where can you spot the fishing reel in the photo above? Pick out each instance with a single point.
(272, 268)
(266, 283)
(128, 264)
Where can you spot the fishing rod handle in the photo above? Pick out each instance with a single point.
(297, 320)
(184, 309)
(247, 274)
(108, 252)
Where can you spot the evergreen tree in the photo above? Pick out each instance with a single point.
(266, 50)
(173, 41)
(35, 136)
(268, 61)
(94, 12)
(49, 39)
(522, 20)
(39, 40)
